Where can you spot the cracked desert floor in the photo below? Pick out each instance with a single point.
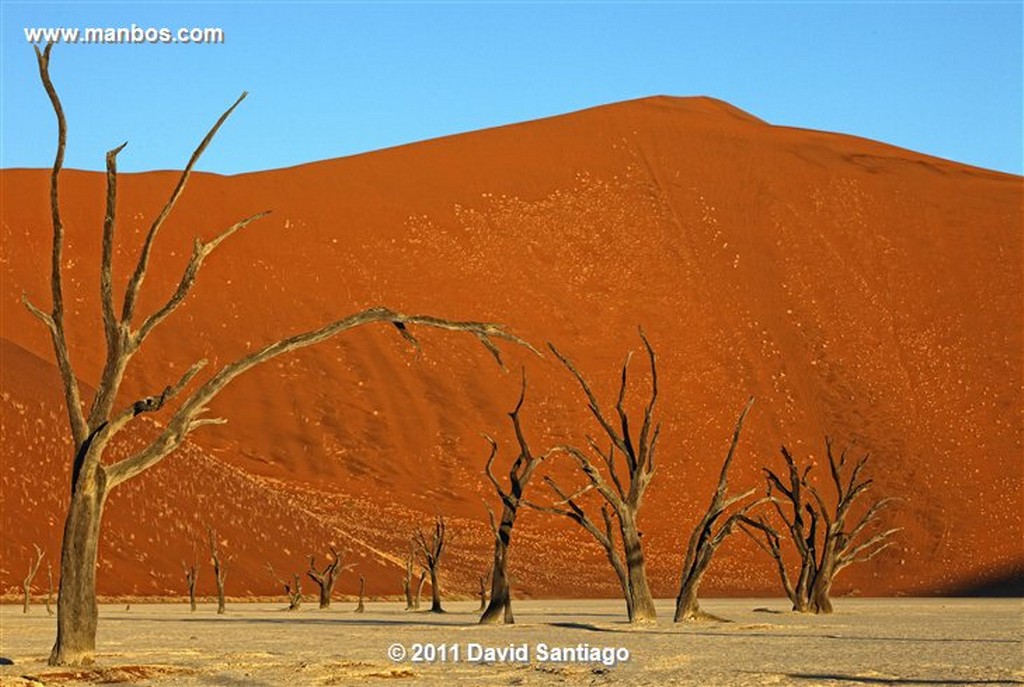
(867, 641)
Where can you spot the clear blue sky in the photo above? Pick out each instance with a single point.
(333, 79)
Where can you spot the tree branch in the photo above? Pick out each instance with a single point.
(132, 291)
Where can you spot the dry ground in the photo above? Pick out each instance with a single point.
(868, 641)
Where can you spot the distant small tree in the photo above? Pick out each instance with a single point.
(407, 583)
(33, 567)
(191, 576)
(824, 542)
(362, 589)
(432, 550)
(325, 579)
(292, 590)
(220, 575)
(419, 590)
(49, 588)
(482, 593)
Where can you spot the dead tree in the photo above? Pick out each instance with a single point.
(824, 542)
(432, 551)
(362, 588)
(623, 495)
(292, 590)
(125, 331)
(219, 573)
(49, 588)
(326, 578)
(407, 583)
(419, 590)
(522, 469)
(191, 575)
(705, 538)
(483, 595)
(33, 567)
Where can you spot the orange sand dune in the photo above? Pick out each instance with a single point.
(855, 289)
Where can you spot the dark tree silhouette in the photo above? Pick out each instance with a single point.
(220, 575)
(26, 586)
(191, 576)
(432, 551)
(325, 579)
(522, 469)
(824, 542)
(623, 495)
(125, 333)
(709, 534)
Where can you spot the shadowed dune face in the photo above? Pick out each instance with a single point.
(855, 289)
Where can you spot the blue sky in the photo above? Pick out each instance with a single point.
(333, 79)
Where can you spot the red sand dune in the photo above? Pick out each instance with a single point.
(855, 289)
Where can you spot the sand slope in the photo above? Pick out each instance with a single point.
(854, 288)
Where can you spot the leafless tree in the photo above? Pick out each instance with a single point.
(362, 589)
(432, 551)
(623, 495)
(49, 588)
(824, 542)
(522, 469)
(220, 575)
(407, 582)
(326, 578)
(292, 590)
(125, 333)
(705, 538)
(191, 575)
(33, 567)
(419, 590)
(482, 593)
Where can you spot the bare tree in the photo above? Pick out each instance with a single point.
(326, 578)
(125, 332)
(191, 576)
(407, 583)
(292, 590)
(219, 573)
(622, 497)
(824, 542)
(419, 590)
(482, 593)
(33, 567)
(362, 588)
(49, 588)
(522, 469)
(705, 538)
(432, 551)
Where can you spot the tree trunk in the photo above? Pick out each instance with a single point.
(435, 593)
(419, 591)
(500, 605)
(641, 600)
(77, 612)
(220, 595)
(362, 588)
(499, 608)
(819, 601)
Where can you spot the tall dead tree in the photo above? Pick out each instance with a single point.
(360, 607)
(522, 469)
(432, 551)
(622, 495)
(191, 576)
(709, 534)
(125, 332)
(33, 567)
(824, 542)
(219, 573)
(326, 578)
